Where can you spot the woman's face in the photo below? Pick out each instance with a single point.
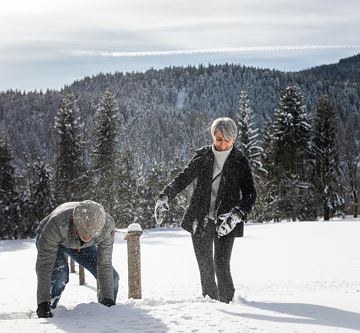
(220, 143)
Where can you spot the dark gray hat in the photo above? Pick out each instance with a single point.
(89, 216)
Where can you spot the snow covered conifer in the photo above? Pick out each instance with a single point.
(350, 157)
(9, 209)
(43, 197)
(149, 187)
(126, 189)
(179, 203)
(104, 153)
(291, 132)
(266, 201)
(325, 150)
(248, 135)
(26, 225)
(291, 155)
(68, 162)
(105, 156)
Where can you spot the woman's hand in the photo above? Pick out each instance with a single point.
(161, 206)
(229, 221)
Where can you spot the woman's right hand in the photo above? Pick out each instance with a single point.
(161, 206)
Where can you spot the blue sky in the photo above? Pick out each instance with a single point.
(47, 44)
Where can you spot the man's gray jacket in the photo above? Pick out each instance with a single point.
(58, 229)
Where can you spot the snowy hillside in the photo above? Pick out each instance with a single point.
(290, 277)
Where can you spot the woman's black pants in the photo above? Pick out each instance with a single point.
(213, 255)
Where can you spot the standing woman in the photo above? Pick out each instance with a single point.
(223, 195)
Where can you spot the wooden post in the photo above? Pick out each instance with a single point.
(72, 265)
(81, 271)
(81, 275)
(134, 261)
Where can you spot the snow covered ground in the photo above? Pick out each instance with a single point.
(290, 277)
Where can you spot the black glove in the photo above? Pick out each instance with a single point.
(43, 310)
(108, 302)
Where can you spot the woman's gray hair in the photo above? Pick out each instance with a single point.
(226, 126)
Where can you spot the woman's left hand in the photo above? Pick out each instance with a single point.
(229, 221)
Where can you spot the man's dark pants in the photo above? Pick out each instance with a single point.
(86, 257)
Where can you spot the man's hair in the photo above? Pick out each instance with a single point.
(226, 126)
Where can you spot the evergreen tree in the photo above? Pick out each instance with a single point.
(249, 145)
(26, 227)
(126, 206)
(248, 135)
(350, 157)
(9, 204)
(105, 156)
(266, 201)
(179, 203)
(149, 187)
(325, 150)
(36, 198)
(68, 164)
(42, 193)
(291, 155)
(104, 153)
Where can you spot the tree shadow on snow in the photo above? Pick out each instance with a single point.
(303, 314)
(94, 317)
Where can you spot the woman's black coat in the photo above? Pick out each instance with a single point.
(236, 177)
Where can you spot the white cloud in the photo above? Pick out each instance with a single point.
(182, 23)
(61, 32)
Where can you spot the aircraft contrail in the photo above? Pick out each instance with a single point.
(98, 53)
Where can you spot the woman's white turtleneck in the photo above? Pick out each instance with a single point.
(219, 161)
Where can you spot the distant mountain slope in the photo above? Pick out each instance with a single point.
(175, 104)
(346, 70)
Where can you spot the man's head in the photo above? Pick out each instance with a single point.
(89, 219)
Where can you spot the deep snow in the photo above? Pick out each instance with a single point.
(290, 277)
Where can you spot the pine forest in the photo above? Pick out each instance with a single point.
(119, 138)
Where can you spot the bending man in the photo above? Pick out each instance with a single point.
(84, 232)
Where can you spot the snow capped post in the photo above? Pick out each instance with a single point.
(134, 261)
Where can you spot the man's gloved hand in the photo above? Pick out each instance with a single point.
(107, 302)
(44, 311)
(229, 221)
(161, 206)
